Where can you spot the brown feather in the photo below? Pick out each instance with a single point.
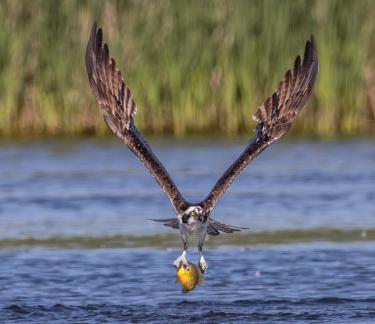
(119, 107)
(274, 117)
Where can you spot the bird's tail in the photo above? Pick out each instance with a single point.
(171, 222)
(213, 228)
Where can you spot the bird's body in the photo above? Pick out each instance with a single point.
(193, 227)
(193, 231)
(274, 117)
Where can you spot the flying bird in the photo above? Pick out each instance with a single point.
(274, 117)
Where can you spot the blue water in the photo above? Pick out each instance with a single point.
(76, 243)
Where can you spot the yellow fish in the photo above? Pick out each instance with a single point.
(189, 276)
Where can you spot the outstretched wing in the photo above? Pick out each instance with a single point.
(274, 117)
(118, 106)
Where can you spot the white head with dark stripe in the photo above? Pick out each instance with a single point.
(192, 215)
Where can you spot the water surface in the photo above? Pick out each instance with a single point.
(76, 242)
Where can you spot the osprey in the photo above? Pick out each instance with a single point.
(274, 117)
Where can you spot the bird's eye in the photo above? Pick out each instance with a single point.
(193, 214)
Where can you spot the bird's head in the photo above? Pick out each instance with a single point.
(192, 215)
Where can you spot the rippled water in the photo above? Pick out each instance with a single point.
(76, 243)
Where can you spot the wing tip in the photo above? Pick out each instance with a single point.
(309, 66)
(94, 46)
(310, 55)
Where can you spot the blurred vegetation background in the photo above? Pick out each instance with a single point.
(193, 66)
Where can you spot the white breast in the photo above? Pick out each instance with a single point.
(193, 232)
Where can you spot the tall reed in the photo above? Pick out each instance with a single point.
(193, 66)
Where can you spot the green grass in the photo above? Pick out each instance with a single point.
(193, 66)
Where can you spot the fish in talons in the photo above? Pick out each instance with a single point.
(189, 276)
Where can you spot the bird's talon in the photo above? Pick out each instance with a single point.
(203, 266)
(180, 261)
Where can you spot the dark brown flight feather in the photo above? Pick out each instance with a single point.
(119, 107)
(274, 118)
